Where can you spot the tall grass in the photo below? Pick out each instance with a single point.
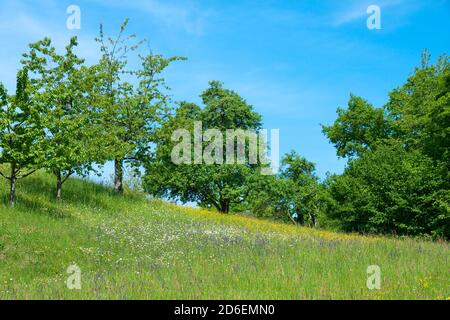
(131, 248)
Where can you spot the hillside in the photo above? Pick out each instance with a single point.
(128, 247)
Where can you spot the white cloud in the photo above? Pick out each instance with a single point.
(358, 11)
(186, 15)
(21, 24)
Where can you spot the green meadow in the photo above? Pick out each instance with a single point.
(128, 247)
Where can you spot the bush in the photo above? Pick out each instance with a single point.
(393, 191)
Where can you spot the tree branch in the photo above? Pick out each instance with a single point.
(6, 177)
(67, 177)
(27, 174)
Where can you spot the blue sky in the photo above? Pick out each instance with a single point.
(294, 61)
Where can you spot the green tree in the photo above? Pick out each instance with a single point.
(295, 194)
(218, 185)
(270, 197)
(305, 188)
(134, 102)
(357, 128)
(398, 179)
(394, 191)
(420, 109)
(21, 132)
(67, 97)
(417, 113)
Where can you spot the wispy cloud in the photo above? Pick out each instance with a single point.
(357, 11)
(21, 24)
(186, 15)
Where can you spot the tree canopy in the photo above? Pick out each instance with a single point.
(397, 179)
(220, 184)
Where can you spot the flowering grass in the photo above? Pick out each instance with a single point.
(130, 248)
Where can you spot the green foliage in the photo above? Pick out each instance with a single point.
(133, 101)
(357, 128)
(21, 128)
(392, 191)
(398, 180)
(295, 194)
(420, 109)
(66, 117)
(307, 193)
(67, 101)
(210, 185)
(270, 197)
(225, 109)
(21, 132)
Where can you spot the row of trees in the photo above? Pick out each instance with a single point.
(396, 181)
(66, 117)
(291, 195)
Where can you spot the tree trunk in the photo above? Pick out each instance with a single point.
(313, 220)
(225, 206)
(300, 218)
(118, 176)
(58, 185)
(12, 185)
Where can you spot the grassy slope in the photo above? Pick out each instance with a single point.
(131, 248)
